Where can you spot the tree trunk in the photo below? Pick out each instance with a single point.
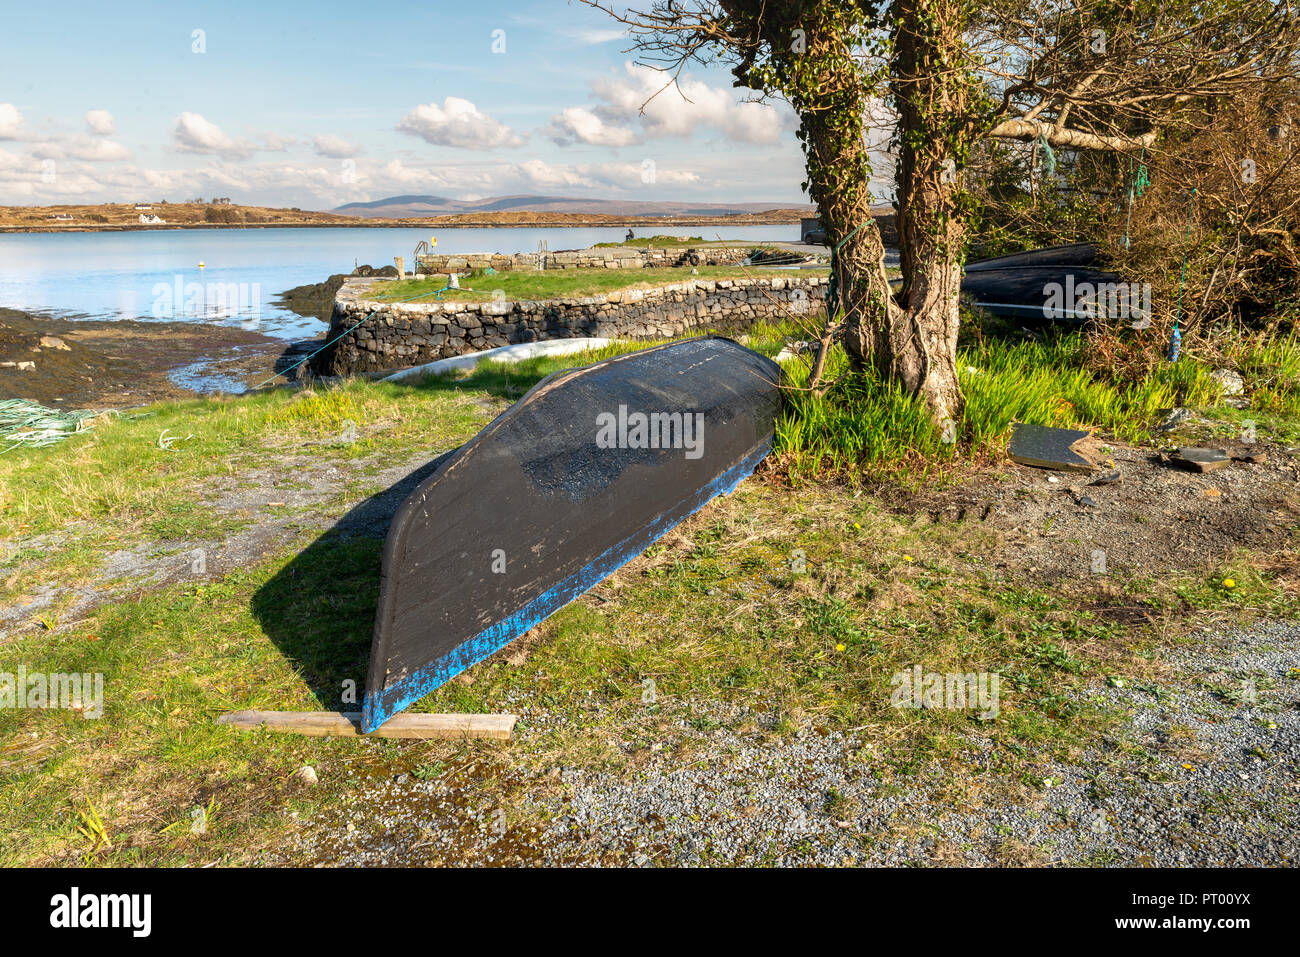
(911, 337)
(838, 182)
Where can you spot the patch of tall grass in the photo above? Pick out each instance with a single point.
(1270, 368)
(863, 424)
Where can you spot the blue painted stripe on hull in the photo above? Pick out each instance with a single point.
(492, 639)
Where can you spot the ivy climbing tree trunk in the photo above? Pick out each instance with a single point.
(839, 175)
(916, 343)
(909, 338)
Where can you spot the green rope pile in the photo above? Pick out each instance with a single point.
(27, 423)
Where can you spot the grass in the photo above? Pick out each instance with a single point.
(659, 241)
(116, 484)
(532, 285)
(727, 626)
(115, 489)
(863, 425)
(773, 610)
(1270, 368)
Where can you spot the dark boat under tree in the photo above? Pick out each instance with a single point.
(1058, 283)
(575, 479)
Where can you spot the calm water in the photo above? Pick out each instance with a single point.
(156, 275)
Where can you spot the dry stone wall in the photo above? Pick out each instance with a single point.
(595, 257)
(399, 335)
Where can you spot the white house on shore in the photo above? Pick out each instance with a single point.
(149, 219)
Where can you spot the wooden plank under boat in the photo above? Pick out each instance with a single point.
(576, 478)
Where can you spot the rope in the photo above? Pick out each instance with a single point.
(1176, 338)
(1136, 187)
(313, 355)
(27, 423)
(1049, 156)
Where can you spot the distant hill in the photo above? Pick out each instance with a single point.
(398, 207)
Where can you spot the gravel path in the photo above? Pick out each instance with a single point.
(1206, 771)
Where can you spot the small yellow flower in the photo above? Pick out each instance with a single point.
(908, 558)
(839, 647)
(857, 526)
(1229, 583)
(1189, 767)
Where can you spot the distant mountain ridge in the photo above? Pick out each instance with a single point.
(397, 207)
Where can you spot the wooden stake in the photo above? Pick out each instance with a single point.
(347, 724)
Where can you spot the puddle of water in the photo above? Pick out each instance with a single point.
(203, 378)
(233, 372)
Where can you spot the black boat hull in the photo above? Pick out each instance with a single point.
(553, 496)
(1019, 286)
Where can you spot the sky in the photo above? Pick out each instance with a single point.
(319, 104)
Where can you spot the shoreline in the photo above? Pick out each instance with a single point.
(630, 223)
(126, 363)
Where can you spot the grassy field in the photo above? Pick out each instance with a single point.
(655, 241)
(562, 283)
(798, 601)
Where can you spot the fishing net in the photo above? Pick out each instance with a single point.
(27, 423)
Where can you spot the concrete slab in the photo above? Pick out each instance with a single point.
(1044, 447)
(1201, 460)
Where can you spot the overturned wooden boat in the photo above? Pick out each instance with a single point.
(578, 477)
(1063, 283)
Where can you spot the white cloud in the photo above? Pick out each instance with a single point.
(194, 134)
(36, 183)
(322, 183)
(577, 124)
(95, 146)
(276, 143)
(458, 123)
(335, 147)
(540, 175)
(82, 146)
(399, 177)
(95, 149)
(100, 122)
(593, 36)
(11, 122)
(670, 112)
